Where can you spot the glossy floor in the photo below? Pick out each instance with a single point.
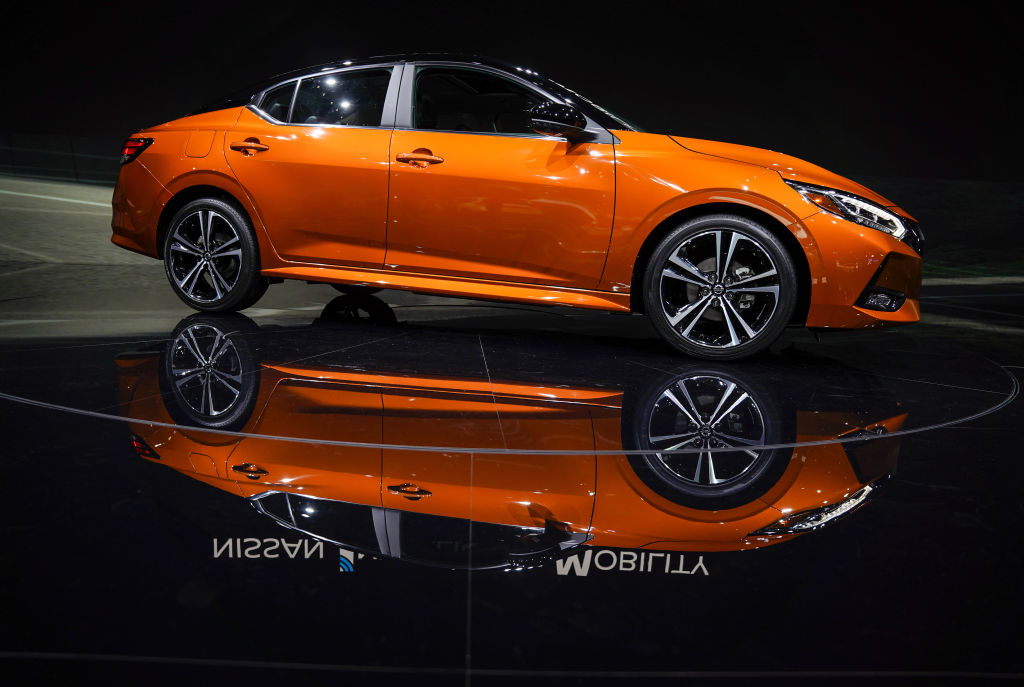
(551, 545)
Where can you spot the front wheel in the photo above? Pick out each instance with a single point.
(720, 287)
(211, 257)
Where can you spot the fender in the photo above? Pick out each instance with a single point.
(627, 244)
(227, 183)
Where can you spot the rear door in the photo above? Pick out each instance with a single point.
(313, 157)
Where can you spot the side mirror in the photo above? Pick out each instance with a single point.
(555, 119)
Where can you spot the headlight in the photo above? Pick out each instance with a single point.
(853, 208)
(813, 519)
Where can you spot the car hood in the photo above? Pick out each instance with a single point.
(787, 166)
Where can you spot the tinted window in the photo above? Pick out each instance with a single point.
(348, 524)
(349, 98)
(450, 99)
(277, 101)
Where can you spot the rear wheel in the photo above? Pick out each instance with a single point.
(211, 257)
(720, 287)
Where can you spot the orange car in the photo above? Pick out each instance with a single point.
(538, 468)
(474, 178)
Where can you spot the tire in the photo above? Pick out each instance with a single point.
(209, 372)
(211, 257)
(720, 314)
(675, 418)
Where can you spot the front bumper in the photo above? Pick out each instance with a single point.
(858, 264)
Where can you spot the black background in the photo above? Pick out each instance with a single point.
(883, 89)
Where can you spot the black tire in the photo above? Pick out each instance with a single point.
(720, 315)
(209, 372)
(354, 290)
(211, 257)
(661, 417)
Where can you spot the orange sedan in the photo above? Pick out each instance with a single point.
(474, 178)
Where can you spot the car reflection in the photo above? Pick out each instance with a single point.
(418, 458)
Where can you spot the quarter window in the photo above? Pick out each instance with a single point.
(452, 99)
(348, 98)
(277, 101)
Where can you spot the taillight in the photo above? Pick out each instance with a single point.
(132, 147)
(142, 448)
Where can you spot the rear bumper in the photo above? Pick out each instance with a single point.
(136, 209)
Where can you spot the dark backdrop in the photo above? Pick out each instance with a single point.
(886, 89)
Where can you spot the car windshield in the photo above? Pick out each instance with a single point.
(569, 95)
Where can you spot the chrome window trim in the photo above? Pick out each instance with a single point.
(390, 97)
(404, 115)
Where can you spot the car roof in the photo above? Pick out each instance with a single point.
(245, 95)
(606, 119)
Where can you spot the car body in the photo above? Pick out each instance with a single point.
(344, 443)
(471, 177)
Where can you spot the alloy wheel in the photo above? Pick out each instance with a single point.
(205, 256)
(719, 288)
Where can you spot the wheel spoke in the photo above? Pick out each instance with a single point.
(181, 382)
(733, 339)
(689, 327)
(205, 220)
(672, 274)
(723, 265)
(689, 308)
(193, 346)
(675, 446)
(208, 397)
(717, 418)
(669, 437)
(217, 275)
(740, 440)
(237, 253)
(754, 277)
(689, 267)
(196, 271)
(746, 327)
(215, 278)
(221, 378)
(712, 478)
(221, 247)
(749, 452)
(757, 289)
(681, 384)
(181, 247)
(721, 401)
(185, 242)
(672, 397)
(225, 344)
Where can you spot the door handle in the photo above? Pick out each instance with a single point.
(409, 491)
(249, 146)
(249, 470)
(421, 157)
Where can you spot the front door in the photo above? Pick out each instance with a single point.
(476, 193)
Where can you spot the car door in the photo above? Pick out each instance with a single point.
(323, 415)
(475, 192)
(313, 157)
(491, 486)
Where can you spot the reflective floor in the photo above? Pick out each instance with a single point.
(390, 486)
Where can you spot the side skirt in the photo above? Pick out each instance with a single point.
(456, 286)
